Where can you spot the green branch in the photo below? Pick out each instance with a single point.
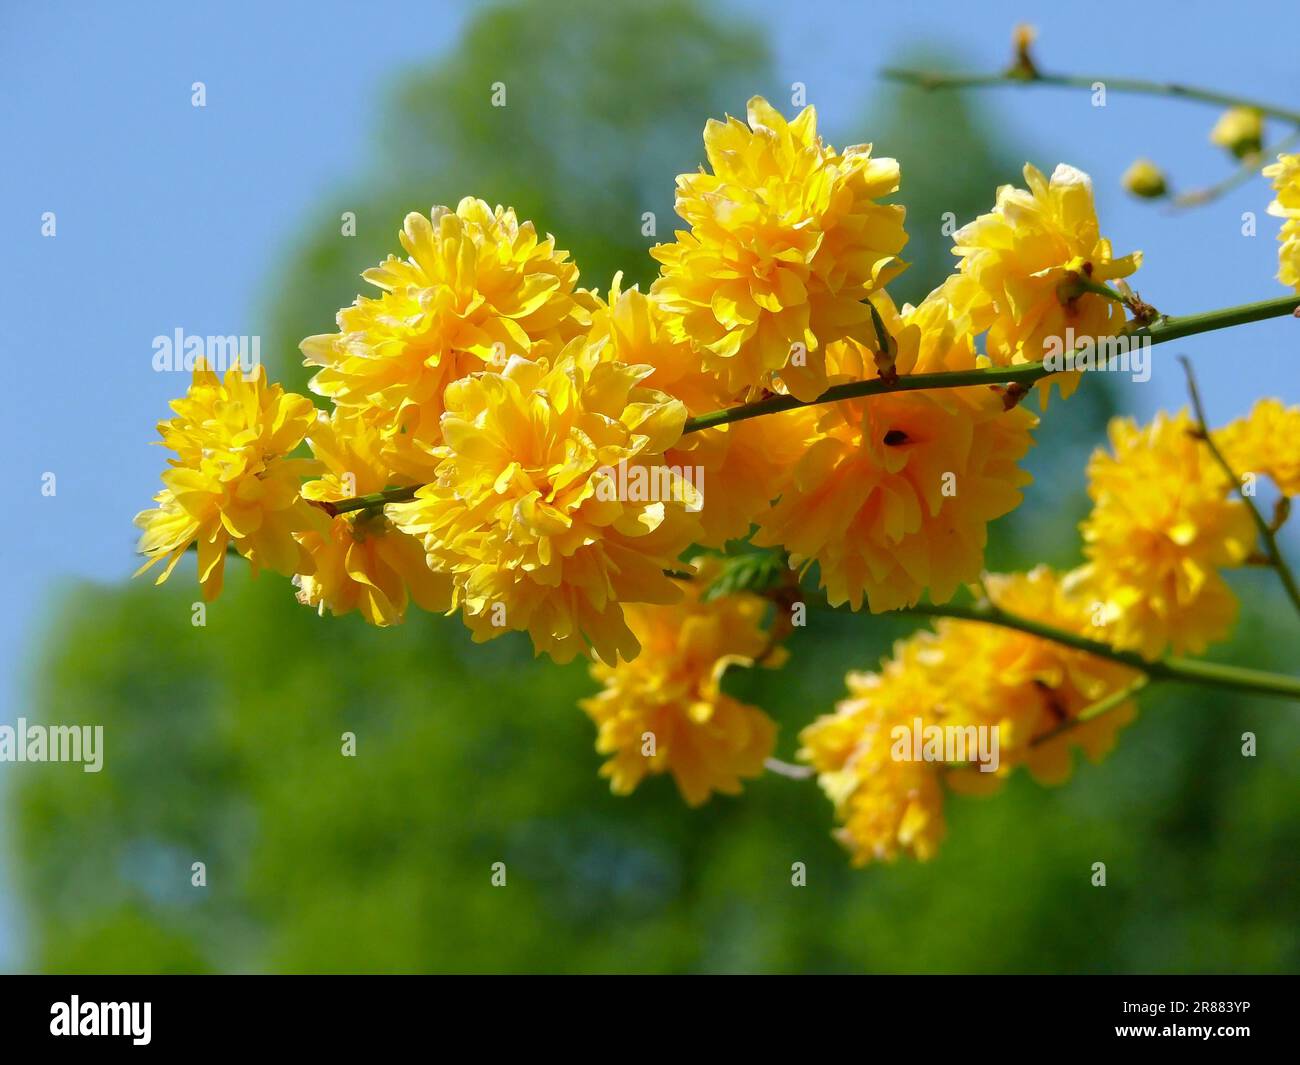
(1185, 670)
(1025, 374)
(1158, 332)
(374, 499)
(1187, 325)
(1022, 376)
(1102, 706)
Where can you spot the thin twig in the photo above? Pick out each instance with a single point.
(786, 769)
(1102, 706)
(925, 79)
(1250, 168)
(1266, 532)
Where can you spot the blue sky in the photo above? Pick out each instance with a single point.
(173, 216)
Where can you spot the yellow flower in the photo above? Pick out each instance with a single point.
(539, 510)
(1023, 265)
(963, 677)
(740, 468)
(231, 482)
(1162, 524)
(1240, 130)
(894, 494)
(899, 809)
(666, 712)
(1288, 255)
(1039, 685)
(1144, 179)
(887, 806)
(477, 287)
(786, 241)
(1267, 442)
(361, 561)
(1285, 174)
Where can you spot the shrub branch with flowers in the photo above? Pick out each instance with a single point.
(487, 414)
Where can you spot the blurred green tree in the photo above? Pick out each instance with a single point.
(224, 743)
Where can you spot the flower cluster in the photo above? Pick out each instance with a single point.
(1164, 524)
(1030, 269)
(894, 493)
(489, 410)
(504, 444)
(476, 287)
(666, 712)
(743, 466)
(232, 482)
(966, 676)
(786, 241)
(520, 515)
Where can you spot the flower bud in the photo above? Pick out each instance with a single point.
(1240, 130)
(1145, 179)
(1022, 39)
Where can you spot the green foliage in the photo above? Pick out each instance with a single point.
(224, 743)
(748, 570)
